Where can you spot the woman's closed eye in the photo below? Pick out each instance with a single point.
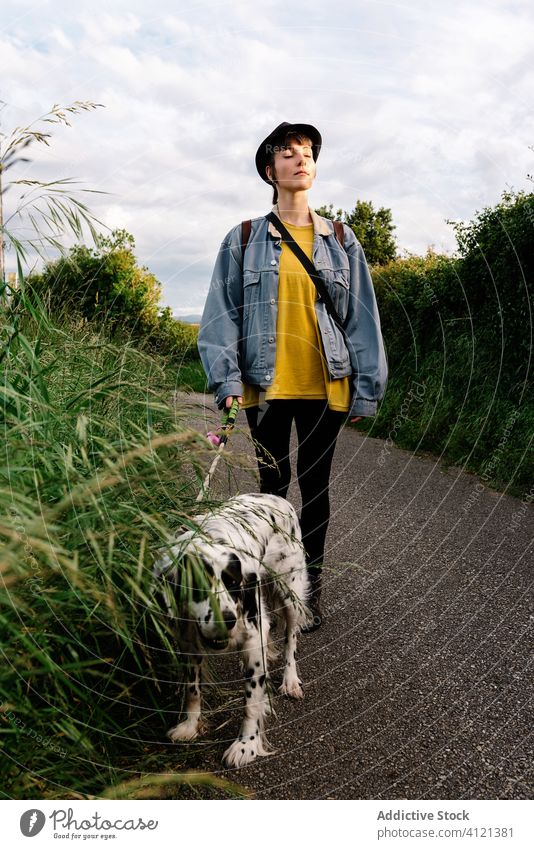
(288, 152)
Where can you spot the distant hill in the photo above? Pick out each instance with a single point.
(189, 319)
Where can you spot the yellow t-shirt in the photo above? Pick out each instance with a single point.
(300, 369)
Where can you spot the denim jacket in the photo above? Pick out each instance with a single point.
(237, 335)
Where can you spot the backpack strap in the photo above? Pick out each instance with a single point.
(340, 233)
(246, 227)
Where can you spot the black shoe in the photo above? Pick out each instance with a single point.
(313, 603)
(315, 623)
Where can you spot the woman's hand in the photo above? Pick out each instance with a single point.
(356, 419)
(230, 400)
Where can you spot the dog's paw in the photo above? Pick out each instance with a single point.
(241, 753)
(246, 749)
(292, 687)
(184, 731)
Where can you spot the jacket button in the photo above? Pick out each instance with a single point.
(273, 301)
(267, 377)
(273, 262)
(271, 339)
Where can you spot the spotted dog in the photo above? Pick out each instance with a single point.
(245, 562)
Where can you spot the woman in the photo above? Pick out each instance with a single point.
(267, 338)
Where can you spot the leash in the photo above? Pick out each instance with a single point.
(228, 422)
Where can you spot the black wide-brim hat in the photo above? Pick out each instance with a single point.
(278, 134)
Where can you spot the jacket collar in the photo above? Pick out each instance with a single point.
(321, 225)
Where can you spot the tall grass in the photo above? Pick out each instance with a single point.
(96, 470)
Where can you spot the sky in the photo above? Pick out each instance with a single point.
(424, 108)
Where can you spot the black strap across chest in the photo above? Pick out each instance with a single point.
(303, 259)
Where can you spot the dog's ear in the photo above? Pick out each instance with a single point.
(232, 575)
(234, 568)
(165, 596)
(249, 596)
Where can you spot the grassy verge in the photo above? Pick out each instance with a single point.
(465, 423)
(96, 471)
(191, 377)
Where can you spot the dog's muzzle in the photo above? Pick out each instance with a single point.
(220, 642)
(215, 643)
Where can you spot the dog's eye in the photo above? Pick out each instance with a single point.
(199, 574)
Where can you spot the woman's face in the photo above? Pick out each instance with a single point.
(294, 166)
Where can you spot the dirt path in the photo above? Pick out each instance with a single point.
(419, 685)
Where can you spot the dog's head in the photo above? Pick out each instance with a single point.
(201, 583)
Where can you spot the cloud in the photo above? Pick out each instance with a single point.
(424, 109)
(104, 27)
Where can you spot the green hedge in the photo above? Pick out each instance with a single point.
(458, 332)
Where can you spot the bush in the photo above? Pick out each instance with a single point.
(106, 286)
(497, 271)
(416, 296)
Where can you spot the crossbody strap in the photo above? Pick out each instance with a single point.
(310, 268)
(246, 227)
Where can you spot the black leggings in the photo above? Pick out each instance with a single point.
(317, 430)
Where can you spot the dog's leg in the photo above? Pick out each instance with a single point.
(189, 728)
(251, 740)
(293, 593)
(291, 684)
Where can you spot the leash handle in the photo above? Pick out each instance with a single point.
(230, 414)
(228, 421)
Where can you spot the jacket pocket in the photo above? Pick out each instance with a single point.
(339, 358)
(337, 285)
(251, 289)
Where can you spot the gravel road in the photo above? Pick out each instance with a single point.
(419, 684)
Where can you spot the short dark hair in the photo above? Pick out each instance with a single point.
(291, 136)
